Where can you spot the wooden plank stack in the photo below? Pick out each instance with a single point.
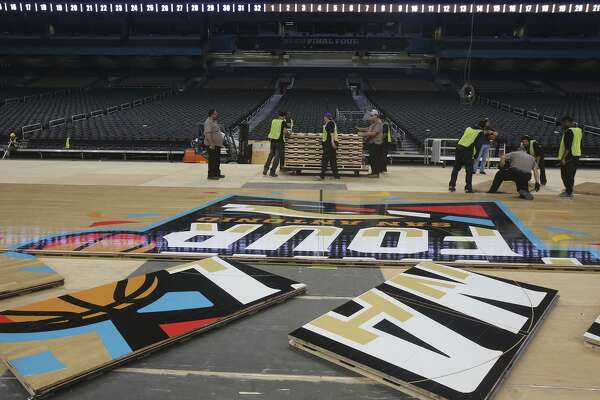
(303, 151)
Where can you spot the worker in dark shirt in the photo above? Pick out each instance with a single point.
(387, 142)
(466, 149)
(289, 125)
(534, 149)
(329, 139)
(276, 136)
(569, 153)
(517, 167)
(289, 121)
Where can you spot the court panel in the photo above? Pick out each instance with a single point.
(62, 340)
(569, 368)
(21, 273)
(117, 220)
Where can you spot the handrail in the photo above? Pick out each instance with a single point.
(56, 122)
(447, 151)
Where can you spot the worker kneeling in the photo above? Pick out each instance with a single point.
(517, 167)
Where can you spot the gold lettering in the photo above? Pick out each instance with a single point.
(351, 329)
(211, 265)
(422, 285)
(389, 223)
(462, 275)
(351, 223)
(208, 219)
(248, 220)
(274, 221)
(415, 224)
(298, 221)
(324, 222)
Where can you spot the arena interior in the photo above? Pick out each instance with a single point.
(126, 273)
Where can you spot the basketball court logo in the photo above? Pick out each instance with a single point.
(475, 232)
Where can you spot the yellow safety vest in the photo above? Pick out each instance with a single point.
(389, 132)
(275, 132)
(469, 137)
(575, 147)
(531, 148)
(68, 143)
(324, 133)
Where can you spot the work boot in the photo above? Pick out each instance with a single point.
(452, 189)
(565, 194)
(469, 191)
(273, 175)
(524, 194)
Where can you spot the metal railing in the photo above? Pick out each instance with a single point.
(349, 115)
(440, 150)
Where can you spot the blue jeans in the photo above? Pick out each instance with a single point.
(481, 158)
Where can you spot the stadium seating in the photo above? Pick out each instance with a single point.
(166, 124)
(440, 115)
(501, 86)
(150, 82)
(17, 93)
(65, 105)
(403, 85)
(318, 84)
(236, 83)
(63, 82)
(582, 87)
(307, 108)
(585, 110)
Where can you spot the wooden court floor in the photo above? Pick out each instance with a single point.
(556, 366)
(31, 211)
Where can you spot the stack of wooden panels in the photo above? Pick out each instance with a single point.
(304, 151)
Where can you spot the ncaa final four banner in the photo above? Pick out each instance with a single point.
(242, 226)
(433, 331)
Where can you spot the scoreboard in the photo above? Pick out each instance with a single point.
(192, 7)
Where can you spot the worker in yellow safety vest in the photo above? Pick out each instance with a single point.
(569, 153)
(12, 145)
(534, 149)
(466, 150)
(277, 135)
(329, 140)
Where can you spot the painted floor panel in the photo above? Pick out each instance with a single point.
(62, 340)
(432, 331)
